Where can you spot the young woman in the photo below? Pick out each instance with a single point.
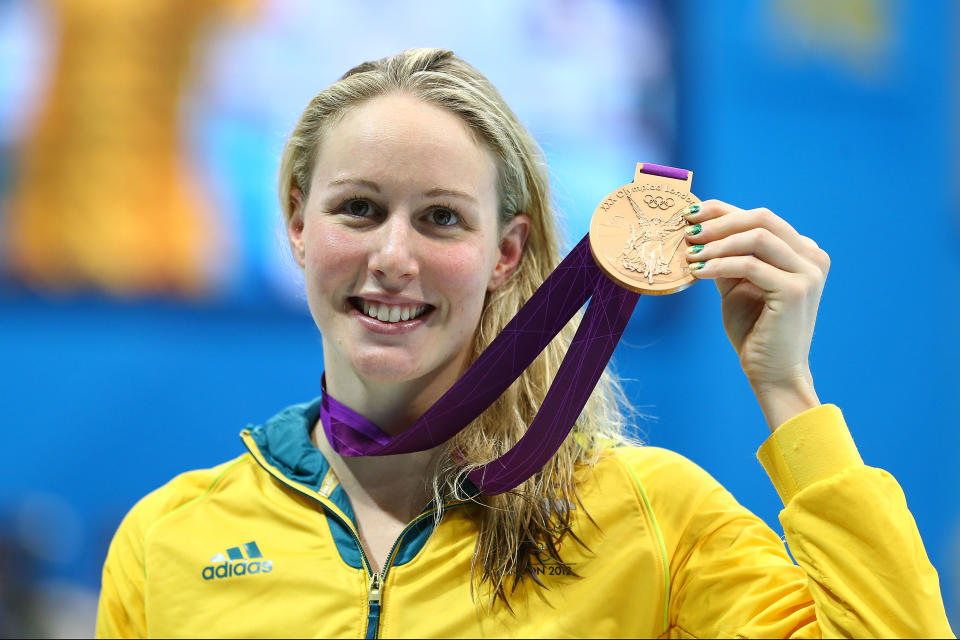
(418, 208)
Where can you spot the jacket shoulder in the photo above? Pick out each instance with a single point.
(122, 608)
(656, 471)
(180, 492)
(674, 490)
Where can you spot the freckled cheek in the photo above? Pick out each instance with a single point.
(332, 258)
(461, 274)
(330, 239)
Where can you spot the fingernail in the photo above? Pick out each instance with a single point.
(696, 266)
(692, 229)
(689, 211)
(695, 249)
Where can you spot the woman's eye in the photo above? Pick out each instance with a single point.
(359, 208)
(444, 217)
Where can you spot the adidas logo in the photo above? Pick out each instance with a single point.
(235, 564)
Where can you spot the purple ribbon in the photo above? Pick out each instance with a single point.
(665, 172)
(575, 279)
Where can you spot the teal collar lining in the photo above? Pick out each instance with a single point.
(284, 442)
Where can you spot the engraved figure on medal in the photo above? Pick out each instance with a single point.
(636, 234)
(635, 256)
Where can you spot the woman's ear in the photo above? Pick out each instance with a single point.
(295, 227)
(512, 241)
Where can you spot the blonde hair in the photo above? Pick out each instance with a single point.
(523, 527)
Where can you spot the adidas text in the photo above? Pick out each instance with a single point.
(234, 569)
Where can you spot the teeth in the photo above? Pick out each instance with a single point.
(391, 313)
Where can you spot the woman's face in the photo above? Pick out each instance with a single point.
(399, 240)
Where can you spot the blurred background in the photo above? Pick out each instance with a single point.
(149, 310)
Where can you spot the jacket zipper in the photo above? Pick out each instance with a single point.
(375, 591)
(373, 614)
(377, 580)
(373, 606)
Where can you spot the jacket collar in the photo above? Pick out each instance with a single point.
(284, 441)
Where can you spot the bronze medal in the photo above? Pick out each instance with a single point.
(636, 234)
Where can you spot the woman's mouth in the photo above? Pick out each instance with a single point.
(390, 313)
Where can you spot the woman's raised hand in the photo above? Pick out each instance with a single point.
(770, 280)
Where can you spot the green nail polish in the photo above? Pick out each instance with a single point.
(696, 266)
(694, 229)
(695, 249)
(689, 211)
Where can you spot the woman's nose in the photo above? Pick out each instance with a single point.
(393, 258)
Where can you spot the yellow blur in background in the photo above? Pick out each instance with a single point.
(104, 196)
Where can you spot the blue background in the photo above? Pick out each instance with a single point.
(771, 105)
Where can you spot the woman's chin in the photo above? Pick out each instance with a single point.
(387, 370)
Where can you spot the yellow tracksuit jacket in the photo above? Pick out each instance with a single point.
(265, 545)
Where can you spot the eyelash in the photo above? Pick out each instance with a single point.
(342, 207)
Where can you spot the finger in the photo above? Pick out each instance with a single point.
(714, 209)
(765, 276)
(759, 242)
(708, 210)
(738, 221)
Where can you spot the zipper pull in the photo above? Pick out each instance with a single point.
(374, 589)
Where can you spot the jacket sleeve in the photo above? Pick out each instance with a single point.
(862, 572)
(121, 612)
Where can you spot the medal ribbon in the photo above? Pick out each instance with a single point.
(576, 279)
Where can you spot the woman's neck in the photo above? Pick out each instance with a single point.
(398, 484)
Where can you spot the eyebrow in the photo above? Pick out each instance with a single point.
(432, 193)
(449, 192)
(358, 181)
